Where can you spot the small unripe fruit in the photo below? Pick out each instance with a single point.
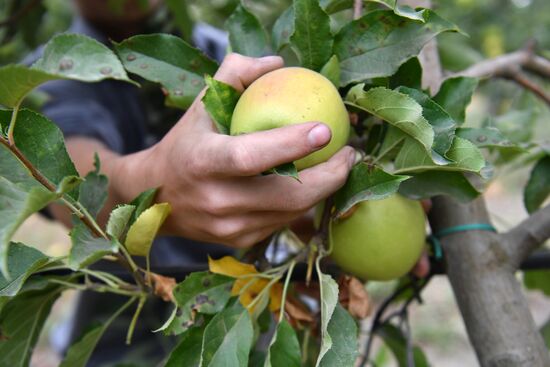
(381, 239)
(293, 95)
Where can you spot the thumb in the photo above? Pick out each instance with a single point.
(254, 153)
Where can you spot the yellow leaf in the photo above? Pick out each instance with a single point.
(276, 297)
(247, 288)
(144, 230)
(230, 267)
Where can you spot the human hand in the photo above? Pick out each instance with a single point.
(213, 181)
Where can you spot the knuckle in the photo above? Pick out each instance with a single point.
(216, 203)
(225, 230)
(242, 160)
(233, 58)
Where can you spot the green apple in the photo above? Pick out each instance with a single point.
(293, 95)
(380, 239)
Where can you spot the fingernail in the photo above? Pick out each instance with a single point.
(270, 59)
(355, 157)
(319, 136)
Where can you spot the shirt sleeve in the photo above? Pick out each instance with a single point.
(75, 108)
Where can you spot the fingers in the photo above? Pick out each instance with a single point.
(252, 154)
(240, 71)
(317, 183)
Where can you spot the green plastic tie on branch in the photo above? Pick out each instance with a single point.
(436, 244)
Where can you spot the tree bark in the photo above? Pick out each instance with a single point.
(497, 317)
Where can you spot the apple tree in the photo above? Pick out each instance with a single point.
(407, 115)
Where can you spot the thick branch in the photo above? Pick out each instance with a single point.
(528, 235)
(510, 66)
(497, 66)
(496, 314)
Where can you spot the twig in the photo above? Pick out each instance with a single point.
(524, 81)
(133, 323)
(527, 236)
(20, 13)
(80, 212)
(378, 318)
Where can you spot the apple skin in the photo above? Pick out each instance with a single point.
(293, 95)
(381, 239)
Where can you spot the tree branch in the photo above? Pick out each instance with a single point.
(491, 300)
(496, 66)
(528, 235)
(510, 66)
(528, 84)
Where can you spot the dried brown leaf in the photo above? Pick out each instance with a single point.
(163, 286)
(354, 297)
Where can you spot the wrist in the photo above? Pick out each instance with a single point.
(132, 174)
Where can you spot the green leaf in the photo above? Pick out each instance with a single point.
(170, 61)
(87, 249)
(376, 44)
(409, 75)
(247, 36)
(537, 280)
(397, 109)
(202, 292)
(22, 262)
(93, 191)
(65, 56)
(42, 143)
(220, 100)
(188, 351)
(228, 338)
(21, 322)
(18, 81)
(67, 184)
(464, 156)
(79, 353)
(283, 29)
(329, 299)
(442, 124)
(119, 219)
(182, 18)
(403, 11)
(343, 331)
(537, 189)
(286, 169)
(284, 349)
(16, 205)
(486, 137)
(75, 56)
(395, 340)
(312, 39)
(142, 202)
(508, 124)
(331, 70)
(366, 183)
(431, 183)
(143, 231)
(455, 95)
